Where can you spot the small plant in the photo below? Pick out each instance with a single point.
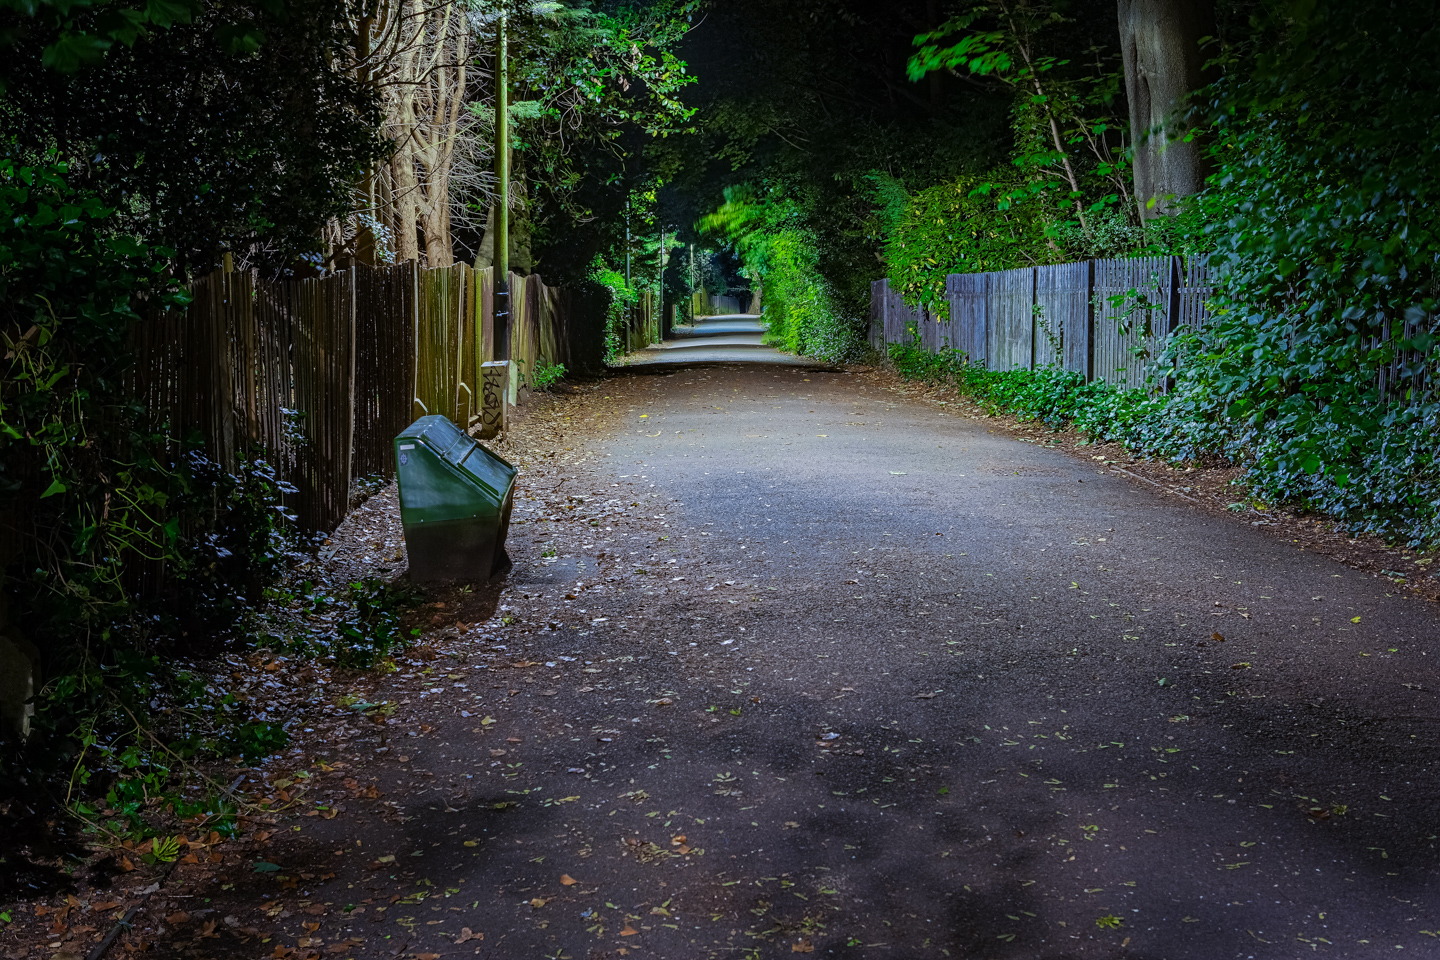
(1108, 922)
(546, 375)
(255, 740)
(165, 849)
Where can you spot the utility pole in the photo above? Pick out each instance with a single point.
(502, 198)
(495, 374)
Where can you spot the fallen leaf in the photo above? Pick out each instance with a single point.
(177, 918)
(106, 905)
(568, 880)
(466, 935)
(539, 902)
(628, 931)
(126, 865)
(804, 946)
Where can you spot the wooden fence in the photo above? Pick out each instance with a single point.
(641, 324)
(1103, 319)
(318, 376)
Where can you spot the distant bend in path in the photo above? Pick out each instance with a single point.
(728, 338)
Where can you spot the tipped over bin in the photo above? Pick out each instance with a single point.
(455, 500)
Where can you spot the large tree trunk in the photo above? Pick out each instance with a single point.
(1160, 42)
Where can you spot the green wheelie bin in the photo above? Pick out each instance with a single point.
(455, 501)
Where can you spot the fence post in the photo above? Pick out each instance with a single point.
(1034, 331)
(1089, 320)
(1172, 305)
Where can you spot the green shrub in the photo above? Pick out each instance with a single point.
(803, 311)
(128, 545)
(622, 298)
(546, 375)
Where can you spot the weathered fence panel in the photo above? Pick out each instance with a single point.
(1193, 296)
(969, 299)
(322, 317)
(1011, 320)
(1130, 328)
(384, 363)
(876, 331)
(1060, 315)
(318, 376)
(445, 344)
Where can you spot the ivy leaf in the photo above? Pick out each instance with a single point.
(71, 51)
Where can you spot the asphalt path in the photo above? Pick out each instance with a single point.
(727, 338)
(853, 675)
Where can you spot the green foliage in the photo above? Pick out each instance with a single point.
(807, 102)
(123, 541)
(198, 143)
(546, 375)
(803, 312)
(1052, 396)
(69, 292)
(591, 88)
(965, 226)
(621, 299)
(357, 627)
(79, 34)
(1320, 212)
(1065, 194)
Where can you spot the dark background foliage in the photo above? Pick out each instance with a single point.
(201, 143)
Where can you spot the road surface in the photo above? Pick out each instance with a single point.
(791, 663)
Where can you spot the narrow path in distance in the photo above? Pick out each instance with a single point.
(728, 338)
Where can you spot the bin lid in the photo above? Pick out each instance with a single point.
(457, 448)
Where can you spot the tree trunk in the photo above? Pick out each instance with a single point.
(1160, 43)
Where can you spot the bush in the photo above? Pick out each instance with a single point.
(803, 311)
(125, 544)
(622, 297)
